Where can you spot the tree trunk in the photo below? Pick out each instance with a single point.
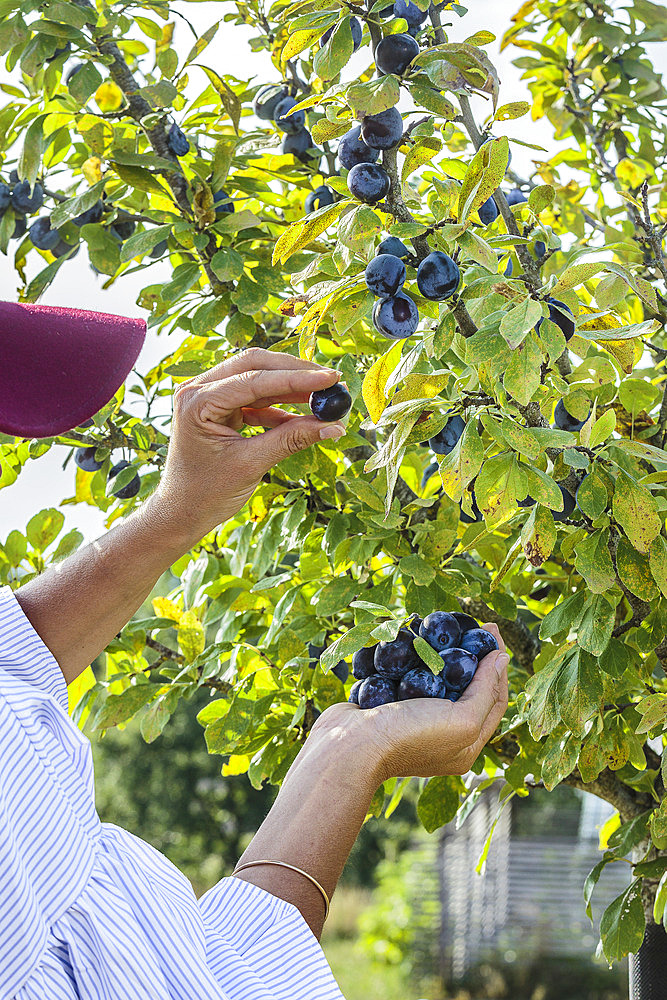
(648, 968)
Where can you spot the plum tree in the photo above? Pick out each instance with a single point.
(561, 298)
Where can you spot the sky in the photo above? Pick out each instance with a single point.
(43, 483)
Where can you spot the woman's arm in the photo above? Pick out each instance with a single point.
(79, 605)
(349, 753)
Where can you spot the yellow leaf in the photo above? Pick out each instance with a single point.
(191, 636)
(164, 608)
(79, 686)
(309, 325)
(238, 763)
(375, 381)
(92, 170)
(606, 830)
(299, 234)
(297, 42)
(109, 96)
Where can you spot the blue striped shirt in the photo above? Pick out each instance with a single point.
(89, 911)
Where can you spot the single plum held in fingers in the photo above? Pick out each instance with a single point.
(353, 150)
(332, 403)
(479, 642)
(459, 668)
(564, 420)
(385, 275)
(446, 439)
(440, 630)
(376, 691)
(397, 317)
(395, 53)
(363, 662)
(438, 276)
(384, 130)
(368, 182)
(395, 658)
(421, 683)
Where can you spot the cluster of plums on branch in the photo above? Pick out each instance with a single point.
(85, 459)
(394, 671)
(273, 103)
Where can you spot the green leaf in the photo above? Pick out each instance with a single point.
(483, 176)
(593, 561)
(463, 463)
(143, 242)
(564, 617)
(346, 645)
(230, 101)
(439, 802)
(636, 511)
(522, 376)
(67, 210)
(500, 483)
(44, 528)
(84, 82)
(592, 495)
(373, 96)
(119, 708)
(417, 569)
(538, 535)
(336, 596)
(518, 321)
(520, 438)
(596, 625)
(541, 197)
(435, 102)
(658, 563)
(579, 690)
(634, 570)
(507, 112)
(301, 233)
(603, 427)
(623, 924)
(336, 54)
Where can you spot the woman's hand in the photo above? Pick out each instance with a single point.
(212, 469)
(423, 737)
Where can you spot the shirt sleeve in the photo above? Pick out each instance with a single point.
(259, 947)
(23, 653)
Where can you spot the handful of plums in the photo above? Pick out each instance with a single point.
(394, 671)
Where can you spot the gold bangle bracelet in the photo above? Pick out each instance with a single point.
(293, 868)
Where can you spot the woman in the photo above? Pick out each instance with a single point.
(86, 909)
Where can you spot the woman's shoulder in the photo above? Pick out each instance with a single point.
(23, 654)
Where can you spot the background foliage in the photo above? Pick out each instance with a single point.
(339, 545)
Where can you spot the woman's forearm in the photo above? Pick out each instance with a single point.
(316, 817)
(79, 605)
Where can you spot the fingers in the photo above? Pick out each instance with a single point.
(260, 388)
(486, 697)
(270, 416)
(256, 359)
(289, 437)
(494, 630)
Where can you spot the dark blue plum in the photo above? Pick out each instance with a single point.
(509, 269)
(438, 276)
(85, 459)
(331, 403)
(446, 439)
(177, 141)
(122, 228)
(515, 197)
(466, 622)
(368, 182)
(295, 122)
(91, 216)
(20, 227)
(440, 630)
(62, 50)
(319, 198)
(564, 420)
(540, 249)
(542, 592)
(5, 196)
(421, 683)
(411, 12)
(561, 315)
(526, 502)
(488, 212)
(395, 53)
(64, 249)
(384, 130)
(397, 317)
(569, 503)
(27, 199)
(41, 234)
(414, 624)
(314, 653)
(392, 245)
(429, 471)
(363, 662)
(267, 100)
(376, 690)
(355, 28)
(341, 670)
(479, 642)
(451, 695)
(385, 275)
(13, 176)
(353, 150)
(130, 489)
(301, 145)
(71, 73)
(222, 203)
(393, 659)
(459, 668)
(353, 696)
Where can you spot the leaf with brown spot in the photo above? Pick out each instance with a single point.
(539, 534)
(636, 511)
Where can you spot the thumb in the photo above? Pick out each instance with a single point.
(292, 436)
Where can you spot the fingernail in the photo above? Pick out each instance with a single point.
(329, 371)
(333, 431)
(501, 663)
